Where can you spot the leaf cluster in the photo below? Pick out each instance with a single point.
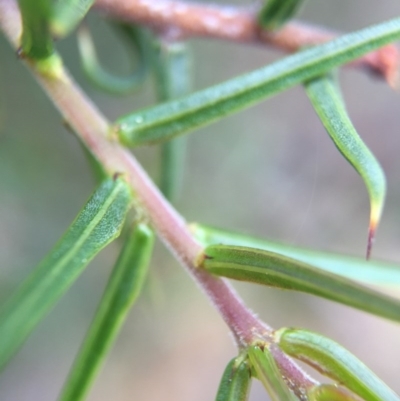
(265, 357)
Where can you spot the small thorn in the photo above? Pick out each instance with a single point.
(117, 175)
(371, 239)
(20, 53)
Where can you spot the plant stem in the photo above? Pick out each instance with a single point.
(92, 128)
(298, 381)
(240, 24)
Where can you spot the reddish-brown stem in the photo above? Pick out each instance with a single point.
(92, 128)
(239, 24)
(298, 381)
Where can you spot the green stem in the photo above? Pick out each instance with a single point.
(173, 80)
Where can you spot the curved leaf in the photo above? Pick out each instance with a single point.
(275, 270)
(334, 361)
(269, 374)
(235, 381)
(100, 77)
(120, 294)
(97, 225)
(326, 98)
(203, 107)
(356, 268)
(276, 12)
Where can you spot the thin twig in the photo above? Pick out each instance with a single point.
(181, 19)
(89, 124)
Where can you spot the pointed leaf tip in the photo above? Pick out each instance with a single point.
(325, 96)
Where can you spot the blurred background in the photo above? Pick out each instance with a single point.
(270, 171)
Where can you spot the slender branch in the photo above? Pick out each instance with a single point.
(178, 18)
(86, 120)
(89, 124)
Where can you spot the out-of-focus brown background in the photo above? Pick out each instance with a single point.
(270, 171)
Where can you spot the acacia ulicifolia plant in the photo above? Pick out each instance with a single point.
(209, 255)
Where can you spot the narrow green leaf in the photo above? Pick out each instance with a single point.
(326, 98)
(203, 107)
(97, 225)
(67, 14)
(173, 79)
(275, 270)
(235, 382)
(269, 374)
(372, 272)
(275, 13)
(120, 294)
(334, 361)
(330, 392)
(99, 76)
(36, 41)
